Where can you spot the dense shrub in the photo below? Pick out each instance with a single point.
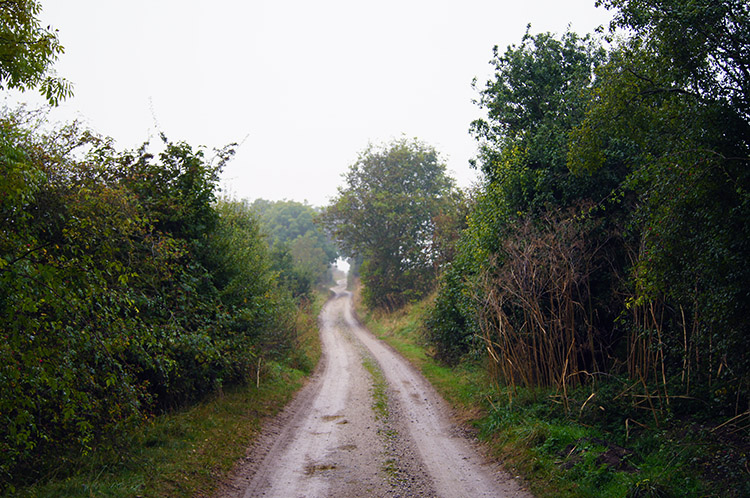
(126, 288)
(651, 136)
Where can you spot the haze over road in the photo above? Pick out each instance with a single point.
(332, 442)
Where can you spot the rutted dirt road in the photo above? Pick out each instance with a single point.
(367, 424)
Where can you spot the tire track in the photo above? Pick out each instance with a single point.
(328, 442)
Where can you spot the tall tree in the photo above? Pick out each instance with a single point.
(537, 94)
(385, 214)
(704, 44)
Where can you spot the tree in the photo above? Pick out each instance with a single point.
(385, 214)
(304, 252)
(27, 51)
(671, 107)
(704, 43)
(537, 95)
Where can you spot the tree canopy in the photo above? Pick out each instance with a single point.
(28, 51)
(300, 247)
(703, 44)
(385, 214)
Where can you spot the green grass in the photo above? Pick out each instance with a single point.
(186, 453)
(180, 454)
(583, 452)
(379, 389)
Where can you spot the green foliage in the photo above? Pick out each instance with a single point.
(237, 241)
(28, 50)
(538, 94)
(652, 137)
(288, 221)
(302, 252)
(180, 453)
(703, 44)
(385, 214)
(603, 446)
(451, 324)
(125, 289)
(671, 107)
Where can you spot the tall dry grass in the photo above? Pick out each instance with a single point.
(541, 326)
(535, 304)
(667, 351)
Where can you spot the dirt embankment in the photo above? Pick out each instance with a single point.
(332, 442)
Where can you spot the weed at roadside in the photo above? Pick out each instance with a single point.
(180, 454)
(597, 447)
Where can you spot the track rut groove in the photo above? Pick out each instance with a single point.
(331, 442)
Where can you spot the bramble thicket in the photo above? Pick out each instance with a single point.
(128, 286)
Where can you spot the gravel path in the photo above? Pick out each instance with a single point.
(333, 441)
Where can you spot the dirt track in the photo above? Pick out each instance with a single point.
(331, 442)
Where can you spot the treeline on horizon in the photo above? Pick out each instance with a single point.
(608, 241)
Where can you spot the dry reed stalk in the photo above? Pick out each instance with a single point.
(534, 307)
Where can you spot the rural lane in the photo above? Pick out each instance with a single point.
(367, 424)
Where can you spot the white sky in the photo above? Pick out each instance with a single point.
(303, 85)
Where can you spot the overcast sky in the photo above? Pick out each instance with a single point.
(302, 85)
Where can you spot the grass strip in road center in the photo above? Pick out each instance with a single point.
(380, 406)
(379, 389)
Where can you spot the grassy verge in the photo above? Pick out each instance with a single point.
(580, 452)
(187, 453)
(462, 385)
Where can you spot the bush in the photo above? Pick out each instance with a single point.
(125, 289)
